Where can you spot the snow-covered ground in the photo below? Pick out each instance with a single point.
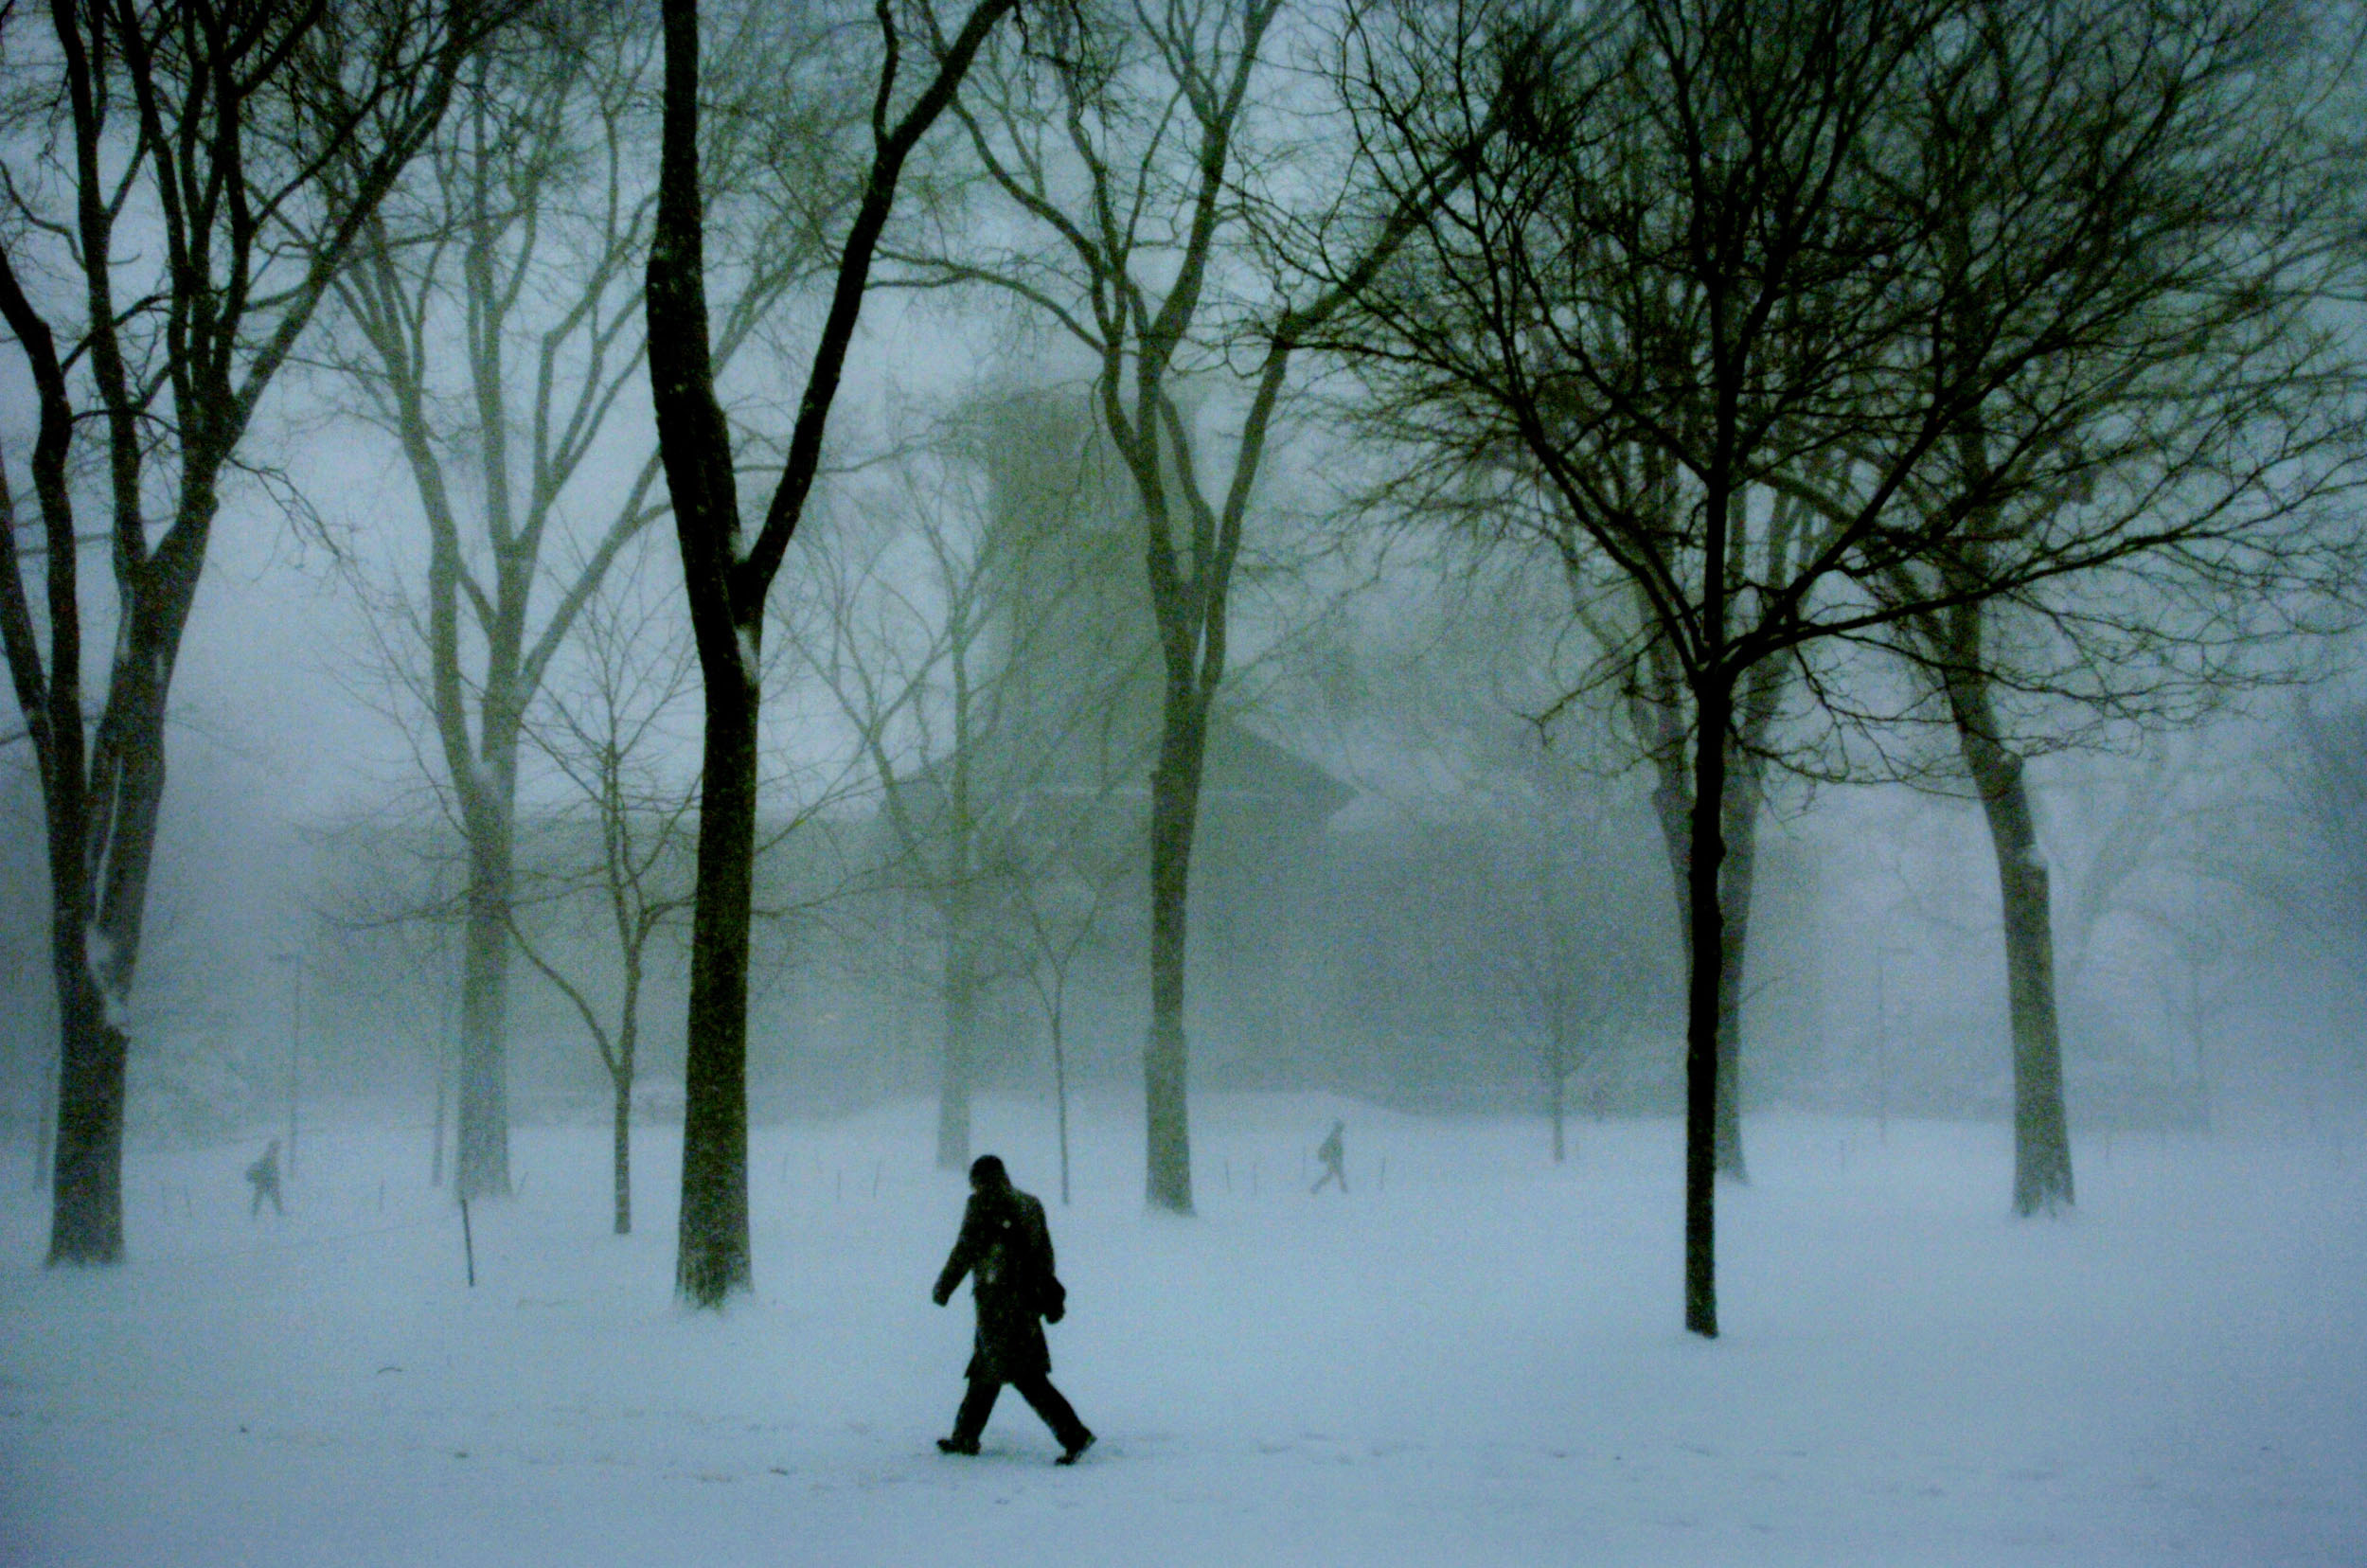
(1473, 1357)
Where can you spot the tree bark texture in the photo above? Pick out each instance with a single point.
(1745, 787)
(1733, 895)
(712, 1256)
(1704, 1004)
(86, 1165)
(482, 1167)
(2042, 1166)
(621, 1070)
(711, 1252)
(620, 1161)
(122, 796)
(1174, 817)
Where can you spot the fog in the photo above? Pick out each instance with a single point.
(1172, 750)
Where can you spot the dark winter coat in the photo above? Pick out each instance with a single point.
(1006, 1246)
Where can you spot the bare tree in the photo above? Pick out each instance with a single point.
(609, 733)
(726, 579)
(1561, 956)
(201, 176)
(1640, 665)
(2169, 451)
(1062, 896)
(1703, 271)
(962, 660)
(500, 316)
(1126, 155)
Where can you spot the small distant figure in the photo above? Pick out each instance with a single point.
(1334, 1154)
(1005, 1244)
(263, 1176)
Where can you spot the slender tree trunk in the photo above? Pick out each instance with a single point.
(1059, 1091)
(1715, 702)
(620, 1162)
(961, 1026)
(1174, 815)
(2042, 1168)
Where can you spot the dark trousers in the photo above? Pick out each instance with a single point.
(1041, 1396)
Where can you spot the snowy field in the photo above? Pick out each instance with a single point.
(1472, 1357)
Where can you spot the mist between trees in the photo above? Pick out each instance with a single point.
(1381, 547)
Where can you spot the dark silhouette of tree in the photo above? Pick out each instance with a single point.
(727, 575)
(1711, 266)
(2132, 527)
(205, 174)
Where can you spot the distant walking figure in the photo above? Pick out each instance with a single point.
(1334, 1155)
(263, 1176)
(1005, 1244)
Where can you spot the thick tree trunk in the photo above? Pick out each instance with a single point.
(726, 586)
(2042, 1167)
(483, 1163)
(712, 1256)
(1174, 817)
(1703, 987)
(86, 1172)
(118, 816)
(1673, 798)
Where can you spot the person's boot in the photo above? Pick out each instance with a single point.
(958, 1444)
(1076, 1446)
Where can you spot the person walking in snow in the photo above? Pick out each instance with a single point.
(1334, 1155)
(263, 1176)
(1006, 1247)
